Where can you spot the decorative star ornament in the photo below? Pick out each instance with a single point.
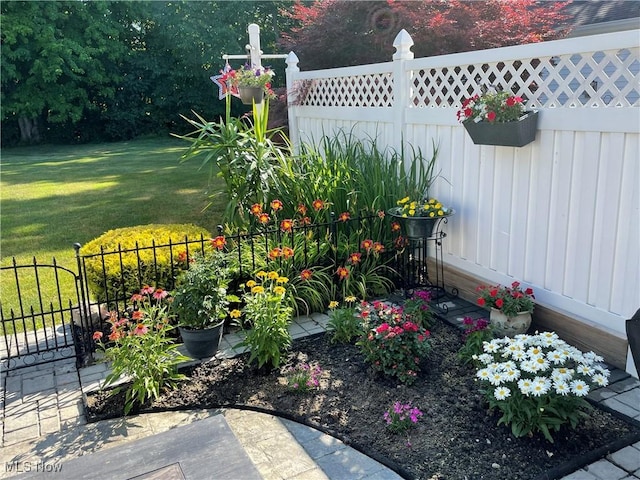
(223, 83)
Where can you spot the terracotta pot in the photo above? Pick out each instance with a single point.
(509, 326)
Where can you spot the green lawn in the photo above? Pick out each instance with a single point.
(54, 196)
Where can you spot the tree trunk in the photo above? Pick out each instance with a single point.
(29, 132)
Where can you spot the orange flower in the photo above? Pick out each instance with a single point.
(302, 209)
(137, 315)
(381, 213)
(263, 218)
(355, 258)
(286, 225)
(378, 247)
(276, 205)
(395, 227)
(136, 297)
(317, 204)
(343, 273)
(366, 244)
(115, 335)
(97, 336)
(344, 216)
(256, 209)
(159, 294)
(219, 242)
(275, 253)
(182, 257)
(306, 274)
(305, 221)
(287, 252)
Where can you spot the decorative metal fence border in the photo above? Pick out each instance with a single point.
(66, 331)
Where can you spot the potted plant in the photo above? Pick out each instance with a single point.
(498, 118)
(201, 304)
(252, 83)
(511, 307)
(419, 217)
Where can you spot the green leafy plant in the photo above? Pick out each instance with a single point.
(250, 76)
(538, 382)
(344, 325)
(510, 300)
(114, 275)
(494, 107)
(268, 314)
(417, 309)
(200, 299)
(400, 417)
(303, 377)
(140, 349)
(394, 346)
(476, 332)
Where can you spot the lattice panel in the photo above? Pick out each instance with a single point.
(374, 90)
(596, 79)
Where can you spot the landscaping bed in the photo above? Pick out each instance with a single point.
(456, 438)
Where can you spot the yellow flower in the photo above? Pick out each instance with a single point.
(403, 201)
(412, 212)
(272, 275)
(258, 289)
(432, 201)
(279, 290)
(440, 213)
(235, 313)
(438, 205)
(251, 284)
(261, 274)
(333, 304)
(432, 214)
(350, 299)
(282, 280)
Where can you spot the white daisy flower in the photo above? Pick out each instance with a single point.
(541, 386)
(501, 393)
(496, 378)
(541, 363)
(579, 388)
(519, 355)
(511, 374)
(600, 380)
(525, 385)
(557, 357)
(585, 369)
(593, 358)
(485, 358)
(491, 347)
(535, 352)
(562, 388)
(528, 366)
(483, 374)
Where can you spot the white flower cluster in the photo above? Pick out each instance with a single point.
(539, 364)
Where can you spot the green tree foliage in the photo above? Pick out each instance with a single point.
(79, 71)
(332, 33)
(58, 61)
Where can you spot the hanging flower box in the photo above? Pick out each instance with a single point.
(517, 133)
(498, 118)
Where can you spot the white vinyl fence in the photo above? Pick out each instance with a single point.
(562, 214)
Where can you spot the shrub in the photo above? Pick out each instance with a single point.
(120, 272)
(394, 346)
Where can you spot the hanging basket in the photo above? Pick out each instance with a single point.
(509, 134)
(249, 95)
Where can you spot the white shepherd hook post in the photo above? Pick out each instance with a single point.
(253, 48)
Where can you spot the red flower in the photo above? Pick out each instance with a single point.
(305, 221)
(182, 256)
(382, 328)
(219, 242)
(97, 336)
(317, 204)
(263, 218)
(275, 253)
(302, 209)
(286, 225)
(287, 252)
(343, 273)
(344, 216)
(493, 292)
(276, 205)
(378, 247)
(499, 303)
(529, 291)
(140, 329)
(137, 315)
(256, 209)
(491, 116)
(395, 227)
(482, 302)
(146, 290)
(136, 297)
(381, 214)
(355, 258)
(306, 274)
(366, 244)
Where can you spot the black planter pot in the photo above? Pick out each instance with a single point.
(249, 95)
(202, 343)
(509, 134)
(418, 227)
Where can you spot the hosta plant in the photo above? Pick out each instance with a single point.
(140, 349)
(394, 345)
(538, 382)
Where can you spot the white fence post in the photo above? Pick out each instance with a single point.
(401, 85)
(292, 99)
(254, 45)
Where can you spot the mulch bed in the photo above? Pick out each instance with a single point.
(457, 438)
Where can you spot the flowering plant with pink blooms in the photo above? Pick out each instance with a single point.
(400, 417)
(140, 348)
(394, 345)
(509, 300)
(494, 107)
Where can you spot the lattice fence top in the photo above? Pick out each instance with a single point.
(600, 79)
(372, 90)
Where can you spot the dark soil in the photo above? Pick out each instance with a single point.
(456, 439)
